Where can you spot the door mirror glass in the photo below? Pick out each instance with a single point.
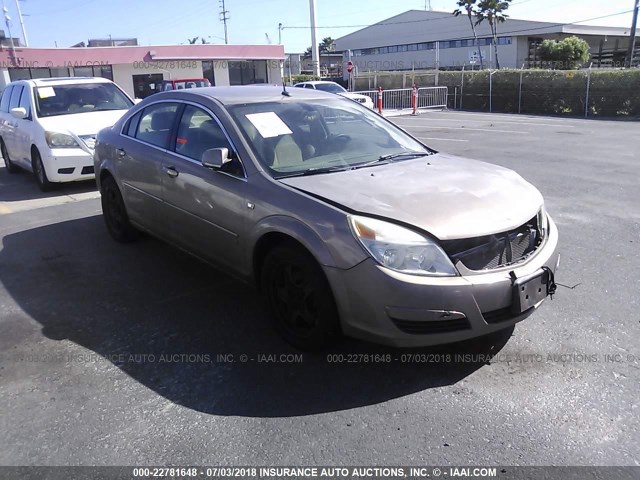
(215, 158)
(19, 112)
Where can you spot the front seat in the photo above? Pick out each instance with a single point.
(287, 153)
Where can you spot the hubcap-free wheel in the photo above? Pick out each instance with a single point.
(11, 167)
(115, 212)
(299, 297)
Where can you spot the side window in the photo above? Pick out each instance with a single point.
(198, 132)
(25, 101)
(132, 125)
(156, 123)
(15, 97)
(6, 96)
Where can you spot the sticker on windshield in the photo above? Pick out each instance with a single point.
(269, 124)
(46, 92)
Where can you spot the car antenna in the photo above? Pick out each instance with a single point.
(284, 89)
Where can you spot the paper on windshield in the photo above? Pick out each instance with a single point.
(268, 124)
(46, 92)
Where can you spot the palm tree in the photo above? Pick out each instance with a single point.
(493, 12)
(468, 7)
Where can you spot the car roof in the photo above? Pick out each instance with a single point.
(50, 82)
(317, 82)
(243, 94)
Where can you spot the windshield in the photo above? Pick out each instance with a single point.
(79, 98)
(302, 137)
(330, 87)
(179, 85)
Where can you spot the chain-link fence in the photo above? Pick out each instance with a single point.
(596, 92)
(576, 92)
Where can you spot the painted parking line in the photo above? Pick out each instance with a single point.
(517, 122)
(442, 139)
(495, 130)
(513, 116)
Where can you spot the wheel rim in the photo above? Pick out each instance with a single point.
(39, 170)
(294, 299)
(114, 210)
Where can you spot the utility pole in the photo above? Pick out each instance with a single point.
(24, 30)
(427, 5)
(223, 18)
(314, 42)
(280, 27)
(7, 19)
(632, 37)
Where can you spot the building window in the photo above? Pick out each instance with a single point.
(504, 40)
(19, 74)
(104, 71)
(393, 49)
(402, 48)
(413, 47)
(208, 71)
(248, 72)
(383, 50)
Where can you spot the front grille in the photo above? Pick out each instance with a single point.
(87, 170)
(493, 251)
(436, 326)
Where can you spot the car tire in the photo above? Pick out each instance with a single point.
(11, 167)
(39, 171)
(300, 298)
(115, 213)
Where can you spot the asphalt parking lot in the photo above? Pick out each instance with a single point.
(119, 354)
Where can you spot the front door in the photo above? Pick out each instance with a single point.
(205, 208)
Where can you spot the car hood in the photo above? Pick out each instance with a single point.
(87, 123)
(449, 197)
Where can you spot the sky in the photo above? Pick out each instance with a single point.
(165, 22)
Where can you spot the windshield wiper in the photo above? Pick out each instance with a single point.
(316, 171)
(392, 156)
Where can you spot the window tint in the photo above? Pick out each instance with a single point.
(198, 131)
(6, 96)
(156, 123)
(25, 101)
(15, 97)
(132, 125)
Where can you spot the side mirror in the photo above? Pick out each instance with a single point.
(19, 112)
(215, 158)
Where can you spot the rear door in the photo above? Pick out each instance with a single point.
(139, 160)
(11, 125)
(205, 208)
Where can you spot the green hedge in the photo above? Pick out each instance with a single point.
(611, 93)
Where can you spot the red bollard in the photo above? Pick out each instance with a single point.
(414, 99)
(380, 100)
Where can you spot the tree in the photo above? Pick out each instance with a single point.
(493, 12)
(194, 40)
(468, 7)
(571, 52)
(325, 46)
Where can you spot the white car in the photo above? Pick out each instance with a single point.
(49, 125)
(333, 87)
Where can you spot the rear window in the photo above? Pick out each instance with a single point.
(79, 98)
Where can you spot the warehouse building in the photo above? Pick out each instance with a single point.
(419, 39)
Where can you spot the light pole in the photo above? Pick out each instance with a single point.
(314, 42)
(632, 37)
(24, 30)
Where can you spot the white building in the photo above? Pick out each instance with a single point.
(136, 68)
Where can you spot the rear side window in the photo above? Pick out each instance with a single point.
(15, 97)
(156, 123)
(6, 96)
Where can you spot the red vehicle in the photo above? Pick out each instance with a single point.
(181, 83)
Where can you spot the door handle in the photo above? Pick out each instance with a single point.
(121, 152)
(171, 171)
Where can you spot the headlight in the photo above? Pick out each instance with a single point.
(60, 140)
(543, 222)
(401, 249)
